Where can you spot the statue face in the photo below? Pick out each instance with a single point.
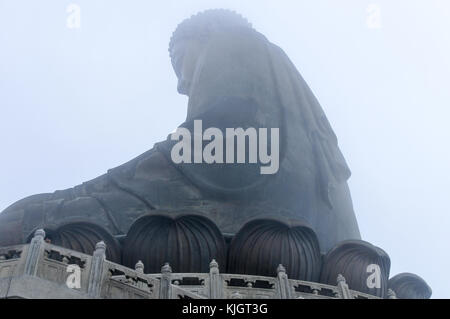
(185, 55)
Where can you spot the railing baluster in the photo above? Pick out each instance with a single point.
(285, 288)
(35, 251)
(165, 289)
(344, 291)
(96, 271)
(215, 281)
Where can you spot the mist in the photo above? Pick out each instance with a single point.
(81, 96)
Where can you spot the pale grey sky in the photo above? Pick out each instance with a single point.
(75, 102)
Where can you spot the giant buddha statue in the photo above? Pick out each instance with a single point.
(156, 210)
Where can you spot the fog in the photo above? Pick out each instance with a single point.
(80, 97)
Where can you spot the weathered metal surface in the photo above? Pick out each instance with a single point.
(187, 242)
(261, 245)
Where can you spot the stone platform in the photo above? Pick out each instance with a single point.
(42, 270)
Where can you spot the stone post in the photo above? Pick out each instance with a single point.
(139, 267)
(344, 291)
(391, 294)
(35, 252)
(165, 289)
(283, 282)
(96, 271)
(215, 281)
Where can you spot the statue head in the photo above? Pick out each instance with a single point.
(190, 38)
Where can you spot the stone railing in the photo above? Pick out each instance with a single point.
(233, 286)
(42, 270)
(10, 259)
